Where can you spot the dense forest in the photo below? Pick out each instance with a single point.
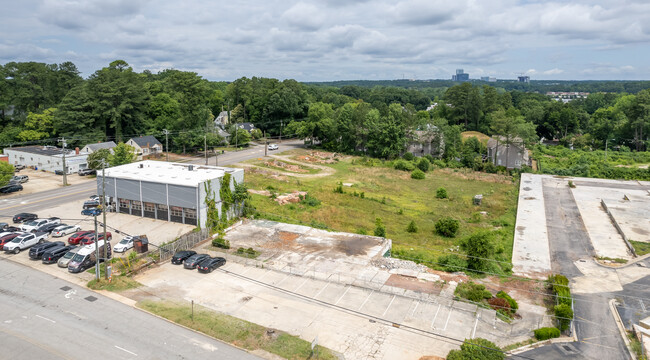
(42, 102)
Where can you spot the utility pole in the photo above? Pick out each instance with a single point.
(281, 125)
(96, 250)
(205, 147)
(216, 158)
(104, 219)
(166, 132)
(65, 172)
(266, 144)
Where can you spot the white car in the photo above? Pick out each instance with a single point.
(35, 224)
(124, 245)
(65, 230)
(273, 146)
(24, 241)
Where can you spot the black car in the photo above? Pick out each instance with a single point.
(180, 256)
(22, 217)
(3, 225)
(192, 261)
(58, 172)
(91, 204)
(12, 229)
(11, 188)
(47, 227)
(207, 265)
(37, 251)
(53, 254)
(84, 172)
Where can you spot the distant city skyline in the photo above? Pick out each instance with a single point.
(332, 40)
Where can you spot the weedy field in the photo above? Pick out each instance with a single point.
(362, 190)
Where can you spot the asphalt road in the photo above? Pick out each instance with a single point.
(44, 317)
(598, 336)
(255, 151)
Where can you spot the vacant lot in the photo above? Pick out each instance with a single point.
(379, 191)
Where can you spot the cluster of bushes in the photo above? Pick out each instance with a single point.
(441, 193)
(477, 348)
(418, 166)
(220, 242)
(563, 310)
(546, 333)
(309, 200)
(250, 252)
(452, 263)
(447, 227)
(501, 303)
(472, 292)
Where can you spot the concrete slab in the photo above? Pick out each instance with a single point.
(632, 213)
(596, 279)
(531, 254)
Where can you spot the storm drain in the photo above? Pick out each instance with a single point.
(66, 288)
(568, 349)
(90, 298)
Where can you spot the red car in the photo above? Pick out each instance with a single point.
(7, 238)
(90, 237)
(76, 237)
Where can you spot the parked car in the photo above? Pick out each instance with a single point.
(125, 244)
(21, 179)
(273, 146)
(90, 238)
(35, 224)
(48, 228)
(52, 255)
(11, 188)
(84, 172)
(37, 251)
(12, 229)
(19, 167)
(23, 242)
(22, 217)
(192, 261)
(3, 225)
(180, 256)
(85, 258)
(91, 204)
(7, 238)
(58, 172)
(207, 265)
(65, 259)
(76, 237)
(63, 230)
(91, 212)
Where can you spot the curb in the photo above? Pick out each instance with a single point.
(621, 328)
(535, 345)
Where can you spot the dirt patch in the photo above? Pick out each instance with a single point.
(431, 357)
(292, 198)
(282, 240)
(534, 291)
(320, 157)
(353, 247)
(285, 166)
(260, 192)
(412, 283)
(479, 176)
(287, 237)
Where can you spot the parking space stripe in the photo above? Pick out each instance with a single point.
(364, 301)
(448, 316)
(415, 308)
(303, 283)
(435, 317)
(475, 324)
(263, 275)
(284, 278)
(388, 307)
(321, 290)
(345, 292)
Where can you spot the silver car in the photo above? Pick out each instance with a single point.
(65, 259)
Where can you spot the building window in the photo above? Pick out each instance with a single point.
(149, 207)
(136, 205)
(190, 213)
(176, 211)
(124, 203)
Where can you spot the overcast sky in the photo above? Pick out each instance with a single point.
(336, 39)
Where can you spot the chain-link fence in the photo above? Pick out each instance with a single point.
(184, 242)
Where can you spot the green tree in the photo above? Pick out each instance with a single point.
(96, 158)
(387, 137)
(6, 173)
(122, 154)
(564, 314)
(479, 248)
(477, 349)
(42, 123)
(380, 229)
(240, 137)
(510, 127)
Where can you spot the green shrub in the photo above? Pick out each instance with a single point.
(412, 227)
(513, 303)
(472, 291)
(362, 231)
(403, 165)
(564, 314)
(380, 230)
(221, 243)
(452, 263)
(447, 227)
(441, 193)
(362, 195)
(240, 250)
(309, 200)
(339, 188)
(546, 333)
(250, 251)
(408, 156)
(430, 158)
(475, 349)
(423, 164)
(560, 285)
(439, 163)
(417, 174)
(475, 218)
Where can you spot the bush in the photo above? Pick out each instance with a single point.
(403, 165)
(423, 164)
(489, 167)
(500, 305)
(479, 248)
(560, 285)
(452, 263)
(447, 227)
(441, 193)
(221, 243)
(309, 200)
(412, 228)
(564, 313)
(439, 163)
(513, 303)
(472, 292)
(380, 230)
(546, 333)
(417, 174)
(408, 156)
(430, 158)
(339, 188)
(477, 348)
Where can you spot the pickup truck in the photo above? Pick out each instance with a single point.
(24, 241)
(35, 224)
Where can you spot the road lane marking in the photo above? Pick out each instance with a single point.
(46, 199)
(123, 349)
(595, 344)
(448, 316)
(388, 307)
(44, 318)
(69, 294)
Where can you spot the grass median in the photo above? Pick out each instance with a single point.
(236, 331)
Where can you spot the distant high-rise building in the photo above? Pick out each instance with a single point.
(488, 79)
(524, 79)
(460, 76)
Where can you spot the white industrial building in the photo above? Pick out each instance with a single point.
(166, 191)
(48, 158)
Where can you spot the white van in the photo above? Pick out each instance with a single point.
(85, 258)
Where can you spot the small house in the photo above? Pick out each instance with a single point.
(91, 148)
(512, 156)
(145, 146)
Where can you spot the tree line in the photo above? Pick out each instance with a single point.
(41, 102)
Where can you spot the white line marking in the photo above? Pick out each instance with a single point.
(448, 316)
(388, 307)
(364, 302)
(303, 283)
(123, 349)
(44, 318)
(435, 317)
(284, 278)
(475, 323)
(642, 305)
(321, 290)
(69, 294)
(263, 275)
(346, 291)
(417, 303)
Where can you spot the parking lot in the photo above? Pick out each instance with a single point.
(42, 180)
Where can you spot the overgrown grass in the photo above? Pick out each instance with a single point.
(641, 248)
(307, 169)
(616, 260)
(397, 199)
(119, 283)
(235, 331)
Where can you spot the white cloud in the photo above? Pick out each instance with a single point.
(554, 71)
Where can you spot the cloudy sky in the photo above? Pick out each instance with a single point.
(336, 39)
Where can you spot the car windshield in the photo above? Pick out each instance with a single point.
(125, 241)
(68, 255)
(78, 258)
(16, 239)
(31, 223)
